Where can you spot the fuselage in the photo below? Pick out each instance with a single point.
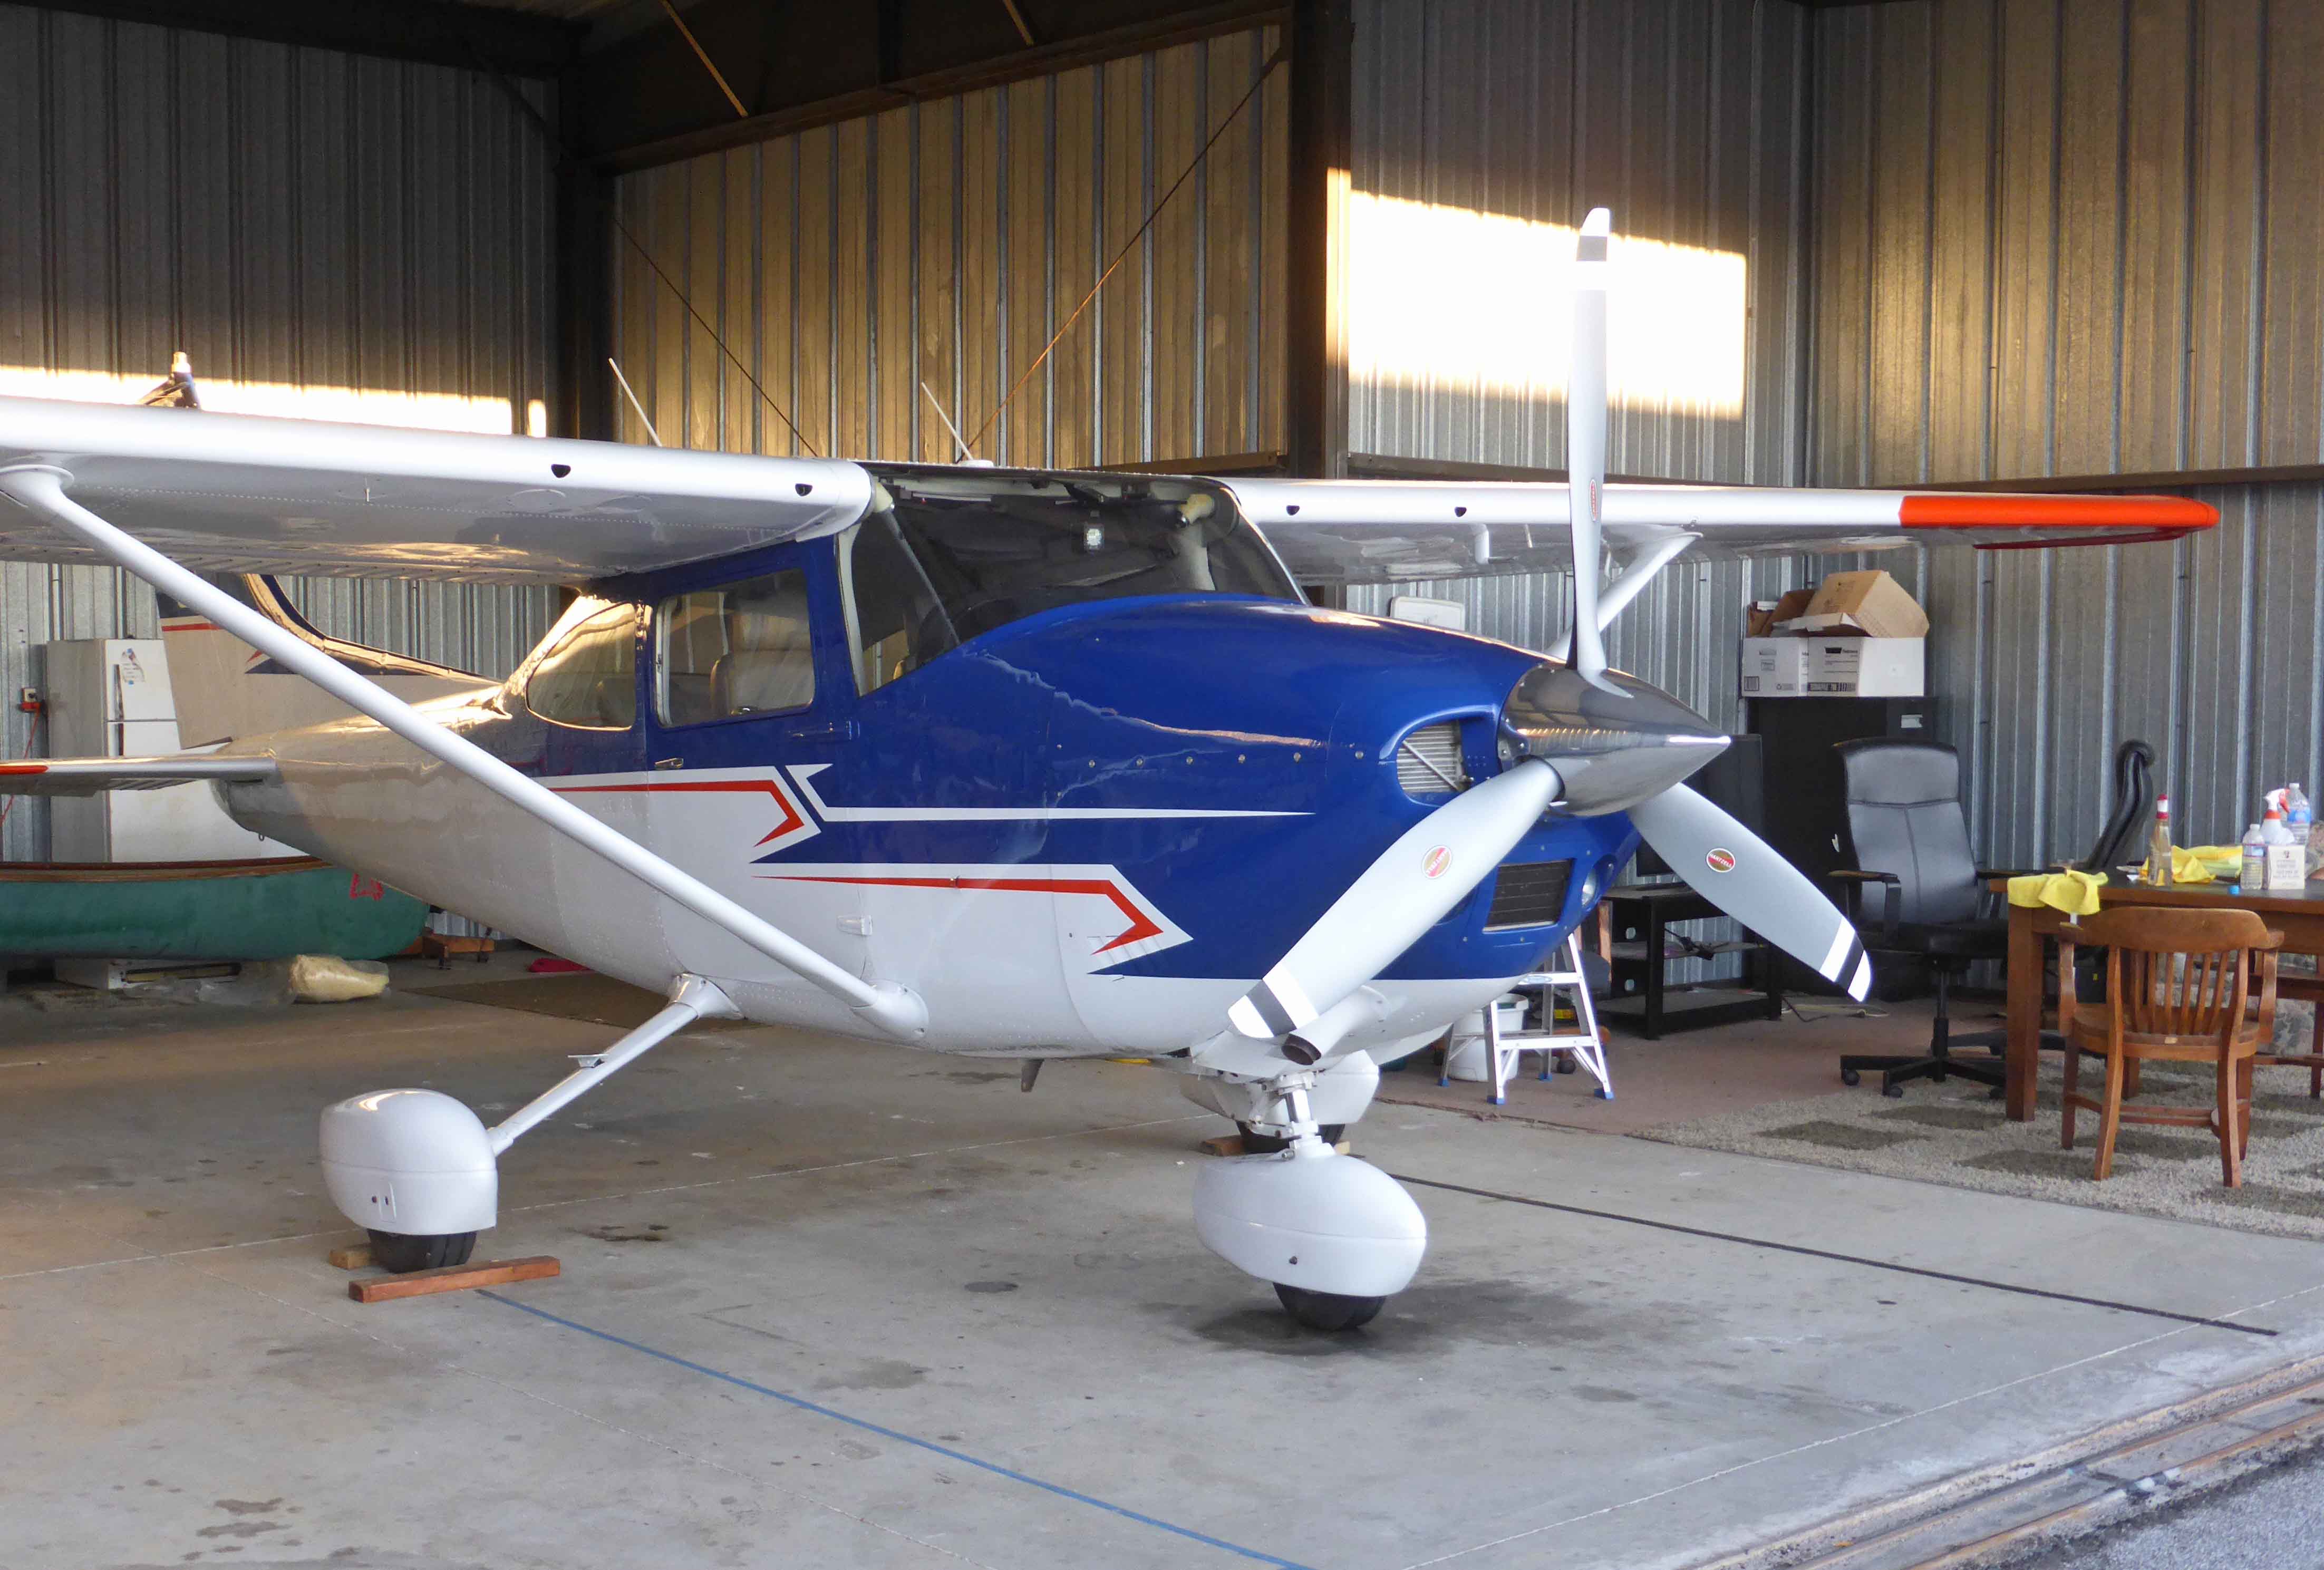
(1075, 824)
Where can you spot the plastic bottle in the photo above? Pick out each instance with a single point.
(2158, 845)
(2254, 874)
(2271, 828)
(2300, 820)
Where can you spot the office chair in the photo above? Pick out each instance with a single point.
(1908, 835)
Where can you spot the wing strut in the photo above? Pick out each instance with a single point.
(42, 488)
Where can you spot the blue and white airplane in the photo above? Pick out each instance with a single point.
(993, 761)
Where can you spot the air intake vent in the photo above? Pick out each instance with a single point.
(1439, 744)
(1528, 894)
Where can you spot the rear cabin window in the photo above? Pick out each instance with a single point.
(589, 677)
(739, 649)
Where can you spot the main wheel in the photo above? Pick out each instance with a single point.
(1328, 1310)
(402, 1253)
(1259, 1144)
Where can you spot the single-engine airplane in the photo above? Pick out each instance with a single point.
(996, 761)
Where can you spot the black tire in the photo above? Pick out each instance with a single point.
(1258, 1144)
(1563, 1062)
(1849, 1076)
(400, 1253)
(1328, 1311)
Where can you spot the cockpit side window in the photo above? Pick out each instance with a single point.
(740, 649)
(589, 676)
(895, 623)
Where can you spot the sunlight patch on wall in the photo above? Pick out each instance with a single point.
(1448, 296)
(348, 405)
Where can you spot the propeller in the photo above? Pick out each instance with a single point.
(1588, 756)
(1743, 875)
(1408, 889)
(1585, 443)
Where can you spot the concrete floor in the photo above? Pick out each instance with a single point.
(832, 1304)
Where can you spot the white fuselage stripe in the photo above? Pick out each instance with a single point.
(800, 773)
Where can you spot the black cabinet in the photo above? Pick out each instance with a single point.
(1805, 798)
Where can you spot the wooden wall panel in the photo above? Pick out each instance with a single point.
(1960, 271)
(819, 382)
(948, 242)
(2155, 223)
(2139, 181)
(935, 289)
(2291, 366)
(1027, 379)
(894, 345)
(2224, 291)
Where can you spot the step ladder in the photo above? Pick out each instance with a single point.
(1581, 1040)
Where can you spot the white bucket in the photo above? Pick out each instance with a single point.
(1465, 1053)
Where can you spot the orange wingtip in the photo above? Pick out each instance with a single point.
(1989, 510)
(24, 767)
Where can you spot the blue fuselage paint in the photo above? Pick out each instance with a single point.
(1181, 703)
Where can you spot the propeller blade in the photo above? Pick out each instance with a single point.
(1741, 874)
(1410, 887)
(1585, 443)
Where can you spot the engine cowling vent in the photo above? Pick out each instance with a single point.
(1438, 746)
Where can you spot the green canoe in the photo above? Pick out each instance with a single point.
(261, 909)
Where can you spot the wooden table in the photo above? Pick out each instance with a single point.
(2299, 917)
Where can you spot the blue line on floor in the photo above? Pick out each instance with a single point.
(804, 1405)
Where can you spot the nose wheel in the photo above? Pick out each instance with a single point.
(400, 1253)
(1328, 1310)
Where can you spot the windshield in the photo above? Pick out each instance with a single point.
(996, 547)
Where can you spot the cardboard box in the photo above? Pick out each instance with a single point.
(1851, 666)
(1759, 618)
(1869, 603)
(1774, 667)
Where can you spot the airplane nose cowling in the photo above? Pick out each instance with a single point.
(1613, 750)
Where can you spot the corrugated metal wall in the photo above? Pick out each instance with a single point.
(2068, 238)
(1684, 117)
(946, 241)
(320, 232)
(2076, 238)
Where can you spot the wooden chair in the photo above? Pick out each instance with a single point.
(2179, 988)
(2306, 989)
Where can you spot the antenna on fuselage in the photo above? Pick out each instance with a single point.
(960, 453)
(633, 397)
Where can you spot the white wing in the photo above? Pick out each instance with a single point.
(233, 492)
(88, 776)
(1384, 530)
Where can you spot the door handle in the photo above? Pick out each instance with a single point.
(835, 730)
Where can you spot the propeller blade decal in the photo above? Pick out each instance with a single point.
(1411, 886)
(1741, 874)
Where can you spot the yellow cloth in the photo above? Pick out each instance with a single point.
(2203, 863)
(2073, 890)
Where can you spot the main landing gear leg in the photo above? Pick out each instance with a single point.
(420, 1171)
(1335, 1236)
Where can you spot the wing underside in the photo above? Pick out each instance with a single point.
(88, 776)
(226, 493)
(1389, 531)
